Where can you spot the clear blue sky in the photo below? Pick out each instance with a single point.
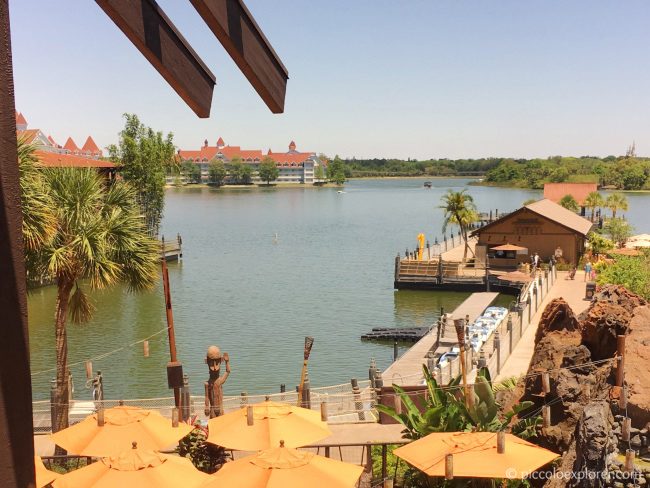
(368, 78)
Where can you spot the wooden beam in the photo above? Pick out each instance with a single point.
(151, 31)
(16, 429)
(237, 31)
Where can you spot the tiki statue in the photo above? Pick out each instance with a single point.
(214, 386)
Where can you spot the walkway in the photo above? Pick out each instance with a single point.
(407, 370)
(573, 292)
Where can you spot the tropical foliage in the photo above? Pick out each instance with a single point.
(39, 221)
(145, 157)
(616, 202)
(268, 170)
(593, 201)
(618, 231)
(460, 210)
(633, 272)
(240, 173)
(99, 239)
(217, 172)
(598, 243)
(446, 409)
(570, 203)
(205, 456)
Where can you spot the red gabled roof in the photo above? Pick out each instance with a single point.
(70, 145)
(90, 145)
(220, 143)
(290, 157)
(56, 160)
(27, 136)
(556, 191)
(230, 152)
(51, 139)
(20, 119)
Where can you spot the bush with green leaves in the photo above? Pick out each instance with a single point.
(205, 456)
(446, 410)
(633, 272)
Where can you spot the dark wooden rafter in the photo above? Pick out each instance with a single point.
(151, 31)
(16, 431)
(237, 31)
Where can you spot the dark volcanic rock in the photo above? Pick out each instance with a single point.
(593, 443)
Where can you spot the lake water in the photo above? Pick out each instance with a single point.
(329, 274)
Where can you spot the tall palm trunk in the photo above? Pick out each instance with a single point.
(61, 336)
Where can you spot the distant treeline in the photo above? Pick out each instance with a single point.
(431, 167)
(621, 172)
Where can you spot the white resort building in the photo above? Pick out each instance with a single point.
(295, 166)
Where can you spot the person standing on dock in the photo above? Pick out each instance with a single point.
(588, 268)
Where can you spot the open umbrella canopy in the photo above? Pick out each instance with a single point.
(135, 468)
(516, 276)
(43, 475)
(272, 421)
(475, 455)
(509, 247)
(122, 426)
(282, 467)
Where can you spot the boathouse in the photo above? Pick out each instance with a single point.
(542, 227)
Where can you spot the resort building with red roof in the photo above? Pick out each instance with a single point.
(294, 166)
(69, 155)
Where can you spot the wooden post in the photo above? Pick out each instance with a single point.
(629, 460)
(243, 399)
(546, 383)
(368, 458)
(358, 404)
(306, 392)
(171, 334)
(395, 350)
(16, 420)
(620, 364)
(622, 398)
(371, 372)
(546, 416)
(249, 416)
(509, 329)
(449, 467)
(283, 389)
(625, 429)
(145, 348)
(384, 456)
(89, 370)
(53, 404)
(185, 399)
(100, 417)
(459, 325)
(175, 417)
(497, 348)
(323, 411)
(529, 302)
(398, 263)
(501, 442)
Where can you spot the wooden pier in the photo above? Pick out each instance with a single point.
(172, 249)
(407, 370)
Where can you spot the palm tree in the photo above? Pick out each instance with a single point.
(616, 201)
(592, 201)
(100, 240)
(460, 210)
(39, 221)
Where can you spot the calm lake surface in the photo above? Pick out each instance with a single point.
(329, 274)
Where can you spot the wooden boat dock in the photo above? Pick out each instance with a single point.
(172, 249)
(407, 370)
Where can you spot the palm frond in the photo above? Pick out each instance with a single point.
(80, 307)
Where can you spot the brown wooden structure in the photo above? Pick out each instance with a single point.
(541, 227)
(151, 31)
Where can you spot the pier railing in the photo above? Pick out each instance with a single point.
(344, 404)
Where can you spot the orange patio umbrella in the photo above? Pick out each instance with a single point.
(122, 426)
(135, 468)
(282, 467)
(43, 475)
(262, 425)
(475, 455)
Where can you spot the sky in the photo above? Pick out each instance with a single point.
(404, 79)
